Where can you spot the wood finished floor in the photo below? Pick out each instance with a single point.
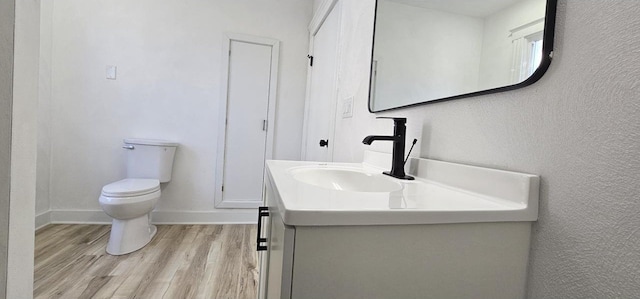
(182, 261)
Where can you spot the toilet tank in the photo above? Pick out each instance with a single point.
(150, 158)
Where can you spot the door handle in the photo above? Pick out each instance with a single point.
(262, 212)
(324, 143)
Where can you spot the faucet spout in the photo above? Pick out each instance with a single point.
(398, 138)
(371, 138)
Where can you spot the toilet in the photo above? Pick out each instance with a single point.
(130, 201)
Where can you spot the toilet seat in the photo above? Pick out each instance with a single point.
(129, 202)
(131, 188)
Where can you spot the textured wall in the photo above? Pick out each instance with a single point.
(44, 110)
(578, 127)
(7, 14)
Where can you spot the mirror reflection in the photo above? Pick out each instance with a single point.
(426, 50)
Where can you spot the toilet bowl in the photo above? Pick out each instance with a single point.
(129, 202)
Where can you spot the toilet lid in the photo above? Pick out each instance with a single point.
(131, 187)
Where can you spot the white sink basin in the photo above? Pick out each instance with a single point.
(319, 193)
(345, 179)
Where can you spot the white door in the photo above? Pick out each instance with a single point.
(322, 94)
(247, 135)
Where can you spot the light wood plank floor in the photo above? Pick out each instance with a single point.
(182, 261)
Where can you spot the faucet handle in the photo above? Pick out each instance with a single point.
(401, 120)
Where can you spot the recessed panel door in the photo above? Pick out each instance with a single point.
(246, 123)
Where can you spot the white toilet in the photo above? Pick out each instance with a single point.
(130, 201)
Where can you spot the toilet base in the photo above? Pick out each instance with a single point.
(130, 235)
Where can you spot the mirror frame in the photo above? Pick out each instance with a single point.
(547, 56)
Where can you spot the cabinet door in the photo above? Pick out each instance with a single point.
(264, 258)
(280, 264)
(276, 264)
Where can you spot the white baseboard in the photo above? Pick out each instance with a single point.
(238, 204)
(80, 216)
(43, 219)
(227, 216)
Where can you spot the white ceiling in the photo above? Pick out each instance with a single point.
(473, 8)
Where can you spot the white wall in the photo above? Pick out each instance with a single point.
(316, 4)
(23, 149)
(412, 67)
(7, 19)
(578, 127)
(43, 204)
(497, 49)
(168, 56)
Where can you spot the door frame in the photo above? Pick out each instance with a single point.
(321, 14)
(219, 201)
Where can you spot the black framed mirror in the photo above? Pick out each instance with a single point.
(427, 51)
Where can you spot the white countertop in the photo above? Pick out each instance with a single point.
(442, 193)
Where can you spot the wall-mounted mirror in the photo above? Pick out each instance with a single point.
(426, 51)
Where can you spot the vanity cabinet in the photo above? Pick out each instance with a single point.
(472, 260)
(346, 231)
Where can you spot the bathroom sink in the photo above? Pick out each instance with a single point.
(345, 179)
(330, 194)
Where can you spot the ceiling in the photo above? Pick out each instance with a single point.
(473, 8)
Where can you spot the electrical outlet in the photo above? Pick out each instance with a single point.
(111, 72)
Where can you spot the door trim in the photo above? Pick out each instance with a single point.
(222, 112)
(321, 14)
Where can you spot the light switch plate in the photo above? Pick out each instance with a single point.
(347, 107)
(111, 72)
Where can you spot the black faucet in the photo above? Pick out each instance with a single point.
(398, 138)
